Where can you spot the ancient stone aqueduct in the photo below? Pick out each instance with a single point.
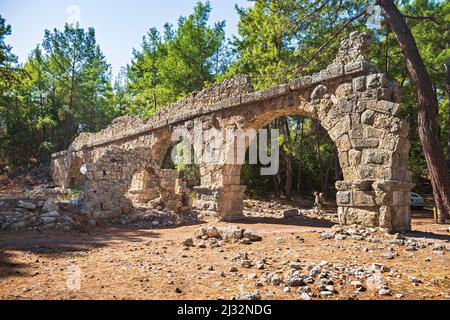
(356, 105)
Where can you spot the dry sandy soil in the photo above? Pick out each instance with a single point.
(130, 263)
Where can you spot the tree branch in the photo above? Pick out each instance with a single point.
(362, 14)
(431, 18)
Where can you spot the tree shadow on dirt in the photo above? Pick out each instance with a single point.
(53, 244)
(10, 268)
(298, 221)
(428, 235)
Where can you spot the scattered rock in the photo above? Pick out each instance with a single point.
(414, 279)
(305, 296)
(26, 205)
(259, 265)
(294, 280)
(326, 235)
(290, 213)
(389, 255)
(231, 234)
(248, 295)
(53, 214)
(326, 293)
(295, 266)
(384, 292)
(50, 206)
(380, 267)
(251, 235)
(233, 269)
(212, 232)
(189, 242)
(276, 280)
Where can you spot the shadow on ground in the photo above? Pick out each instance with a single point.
(299, 221)
(57, 244)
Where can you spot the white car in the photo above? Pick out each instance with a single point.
(417, 202)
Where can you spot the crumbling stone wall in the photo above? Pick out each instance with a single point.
(34, 214)
(109, 191)
(357, 105)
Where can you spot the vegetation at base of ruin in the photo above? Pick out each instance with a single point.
(65, 87)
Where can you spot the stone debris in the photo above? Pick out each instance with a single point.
(290, 213)
(305, 296)
(231, 234)
(248, 295)
(379, 235)
(34, 214)
(50, 206)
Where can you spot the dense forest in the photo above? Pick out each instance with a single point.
(65, 87)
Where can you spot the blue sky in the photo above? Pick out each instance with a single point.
(120, 25)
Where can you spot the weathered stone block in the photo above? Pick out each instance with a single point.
(344, 198)
(363, 198)
(343, 185)
(368, 117)
(365, 143)
(383, 198)
(354, 157)
(383, 106)
(385, 219)
(356, 118)
(332, 72)
(362, 216)
(344, 90)
(370, 133)
(376, 80)
(340, 128)
(300, 83)
(357, 67)
(318, 92)
(336, 113)
(359, 84)
(362, 185)
(357, 132)
(316, 78)
(371, 156)
(343, 159)
(367, 172)
(343, 143)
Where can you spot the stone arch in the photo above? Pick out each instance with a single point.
(360, 115)
(74, 177)
(357, 105)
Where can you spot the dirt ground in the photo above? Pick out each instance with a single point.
(129, 263)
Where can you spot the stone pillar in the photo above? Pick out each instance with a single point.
(220, 194)
(381, 203)
(223, 202)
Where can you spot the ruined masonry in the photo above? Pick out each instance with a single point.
(357, 106)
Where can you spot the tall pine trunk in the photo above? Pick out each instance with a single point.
(428, 108)
(447, 91)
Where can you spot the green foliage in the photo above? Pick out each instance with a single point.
(279, 40)
(66, 90)
(169, 67)
(276, 38)
(432, 37)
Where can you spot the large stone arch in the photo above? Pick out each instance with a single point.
(357, 105)
(360, 115)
